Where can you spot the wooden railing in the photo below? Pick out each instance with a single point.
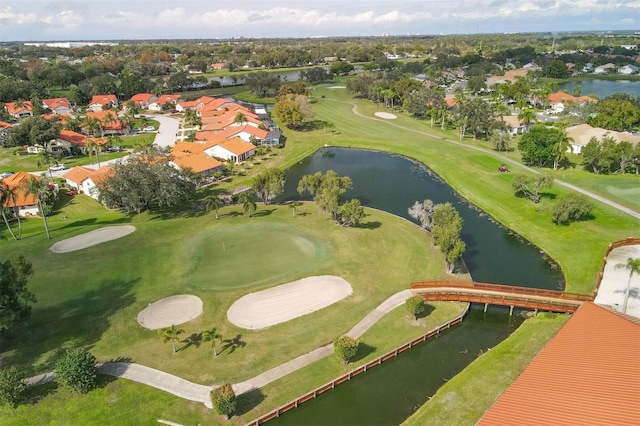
(500, 288)
(314, 393)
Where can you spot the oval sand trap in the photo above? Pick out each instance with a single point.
(92, 238)
(287, 301)
(386, 115)
(170, 311)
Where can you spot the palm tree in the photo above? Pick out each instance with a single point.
(39, 189)
(248, 205)
(633, 266)
(213, 202)
(92, 126)
(7, 194)
(73, 123)
(211, 336)
(294, 207)
(171, 334)
(240, 119)
(560, 149)
(93, 146)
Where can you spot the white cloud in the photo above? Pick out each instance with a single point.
(7, 14)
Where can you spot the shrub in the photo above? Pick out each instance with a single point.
(76, 370)
(12, 386)
(345, 348)
(570, 208)
(415, 305)
(224, 400)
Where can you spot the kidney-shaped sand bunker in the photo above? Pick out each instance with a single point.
(170, 311)
(287, 301)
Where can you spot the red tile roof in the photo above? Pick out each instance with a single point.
(141, 97)
(54, 103)
(17, 182)
(103, 99)
(165, 99)
(4, 125)
(13, 108)
(198, 162)
(558, 97)
(103, 116)
(237, 146)
(73, 137)
(588, 374)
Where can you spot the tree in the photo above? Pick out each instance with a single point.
(530, 187)
(293, 110)
(15, 298)
(39, 189)
(269, 184)
(211, 336)
(12, 386)
(345, 348)
(593, 155)
(213, 202)
(633, 266)
(423, 213)
(76, 370)
(527, 116)
(92, 126)
(501, 141)
(224, 400)
(327, 190)
(556, 69)
(171, 334)
(476, 83)
(93, 146)
(617, 112)
(446, 231)
(341, 68)
(262, 83)
(34, 131)
(572, 207)
(351, 212)
(248, 204)
(7, 195)
(316, 75)
(543, 145)
(293, 206)
(415, 306)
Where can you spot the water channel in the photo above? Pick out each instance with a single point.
(387, 395)
(603, 88)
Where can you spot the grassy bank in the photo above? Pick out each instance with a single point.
(466, 397)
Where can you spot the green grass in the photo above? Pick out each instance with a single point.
(468, 395)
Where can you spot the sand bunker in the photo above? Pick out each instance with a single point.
(92, 238)
(288, 301)
(169, 311)
(386, 115)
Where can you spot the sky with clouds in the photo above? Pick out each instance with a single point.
(36, 20)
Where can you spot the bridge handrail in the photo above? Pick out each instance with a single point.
(629, 241)
(501, 288)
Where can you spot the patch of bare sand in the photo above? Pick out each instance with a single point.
(287, 301)
(170, 311)
(386, 115)
(92, 238)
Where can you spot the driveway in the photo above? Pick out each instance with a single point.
(167, 132)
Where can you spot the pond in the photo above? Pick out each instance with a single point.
(603, 88)
(388, 394)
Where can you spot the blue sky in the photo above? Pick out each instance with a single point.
(149, 19)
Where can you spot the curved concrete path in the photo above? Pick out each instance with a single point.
(200, 393)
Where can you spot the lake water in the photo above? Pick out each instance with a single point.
(603, 88)
(388, 394)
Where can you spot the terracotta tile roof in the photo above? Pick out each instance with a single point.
(189, 147)
(78, 174)
(103, 99)
(103, 116)
(54, 103)
(141, 97)
(4, 125)
(165, 99)
(17, 181)
(237, 146)
(73, 137)
(101, 174)
(558, 97)
(217, 103)
(198, 162)
(13, 108)
(588, 374)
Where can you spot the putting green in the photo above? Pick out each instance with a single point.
(238, 256)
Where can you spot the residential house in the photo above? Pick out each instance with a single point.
(516, 127)
(164, 102)
(25, 204)
(218, 65)
(558, 101)
(4, 132)
(143, 100)
(58, 106)
(103, 102)
(581, 135)
(70, 141)
(198, 162)
(189, 105)
(86, 179)
(510, 75)
(604, 69)
(628, 70)
(109, 122)
(19, 109)
(235, 150)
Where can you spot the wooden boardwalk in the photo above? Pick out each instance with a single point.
(496, 294)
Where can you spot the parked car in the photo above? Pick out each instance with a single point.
(149, 129)
(5, 175)
(114, 149)
(57, 168)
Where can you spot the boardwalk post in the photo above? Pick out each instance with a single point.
(485, 307)
(511, 310)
